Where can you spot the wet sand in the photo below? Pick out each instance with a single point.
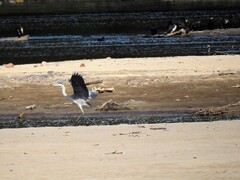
(153, 151)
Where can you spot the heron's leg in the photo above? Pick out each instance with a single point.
(82, 112)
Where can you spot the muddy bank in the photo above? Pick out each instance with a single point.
(147, 98)
(171, 89)
(150, 94)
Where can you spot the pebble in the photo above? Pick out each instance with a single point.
(44, 63)
(82, 65)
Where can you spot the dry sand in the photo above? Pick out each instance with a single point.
(161, 151)
(154, 151)
(163, 66)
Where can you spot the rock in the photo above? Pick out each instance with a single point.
(44, 63)
(9, 65)
(50, 73)
(82, 65)
(133, 83)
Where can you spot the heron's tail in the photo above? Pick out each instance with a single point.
(93, 94)
(88, 104)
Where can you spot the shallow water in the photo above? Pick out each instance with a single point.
(65, 37)
(54, 48)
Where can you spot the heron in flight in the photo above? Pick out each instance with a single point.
(81, 95)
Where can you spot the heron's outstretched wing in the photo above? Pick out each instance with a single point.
(79, 87)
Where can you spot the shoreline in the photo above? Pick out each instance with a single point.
(102, 119)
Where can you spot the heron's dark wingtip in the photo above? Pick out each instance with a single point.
(74, 75)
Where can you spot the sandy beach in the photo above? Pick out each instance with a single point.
(150, 151)
(203, 150)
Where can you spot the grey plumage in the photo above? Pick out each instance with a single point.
(81, 95)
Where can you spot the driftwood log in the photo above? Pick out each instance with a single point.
(99, 89)
(102, 90)
(180, 32)
(21, 115)
(216, 110)
(211, 111)
(94, 82)
(31, 107)
(112, 106)
(236, 86)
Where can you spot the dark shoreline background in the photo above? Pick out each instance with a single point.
(19, 7)
(110, 23)
(67, 30)
(75, 36)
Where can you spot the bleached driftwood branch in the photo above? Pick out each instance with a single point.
(94, 82)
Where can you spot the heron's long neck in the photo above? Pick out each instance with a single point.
(63, 90)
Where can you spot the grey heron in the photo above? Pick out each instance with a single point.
(80, 95)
